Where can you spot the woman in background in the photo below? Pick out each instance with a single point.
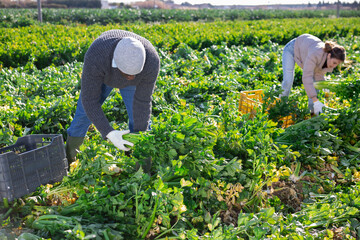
(315, 58)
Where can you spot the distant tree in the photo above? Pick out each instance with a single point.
(77, 3)
(187, 4)
(119, 5)
(356, 5)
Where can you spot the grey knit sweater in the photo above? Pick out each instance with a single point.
(98, 70)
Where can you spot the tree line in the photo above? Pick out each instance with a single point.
(51, 4)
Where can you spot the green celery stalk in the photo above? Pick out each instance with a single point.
(132, 137)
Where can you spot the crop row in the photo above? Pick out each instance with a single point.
(26, 17)
(216, 174)
(56, 44)
(31, 103)
(202, 78)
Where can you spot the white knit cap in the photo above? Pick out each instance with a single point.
(129, 56)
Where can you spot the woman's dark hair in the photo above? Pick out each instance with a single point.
(335, 50)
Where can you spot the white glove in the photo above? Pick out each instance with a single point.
(115, 137)
(318, 107)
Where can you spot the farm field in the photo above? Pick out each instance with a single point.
(28, 17)
(216, 173)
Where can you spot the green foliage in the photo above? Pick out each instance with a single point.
(215, 171)
(348, 89)
(54, 44)
(27, 17)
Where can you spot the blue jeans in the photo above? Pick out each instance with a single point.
(81, 123)
(288, 62)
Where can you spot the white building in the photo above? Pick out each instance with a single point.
(104, 4)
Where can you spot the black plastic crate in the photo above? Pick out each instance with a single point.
(32, 161)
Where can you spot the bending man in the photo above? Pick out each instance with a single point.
(116, 59)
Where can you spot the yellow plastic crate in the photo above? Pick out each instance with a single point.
(252, 100)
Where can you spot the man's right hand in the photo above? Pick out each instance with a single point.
(116, 138)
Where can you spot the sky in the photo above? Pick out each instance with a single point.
(245, 2)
